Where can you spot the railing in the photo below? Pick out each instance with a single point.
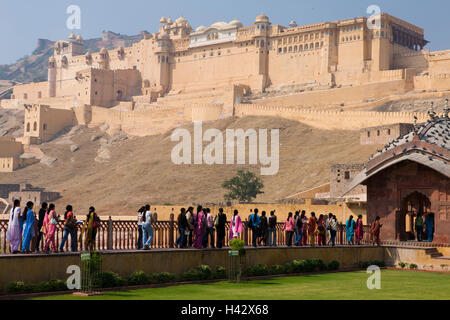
(123, 235)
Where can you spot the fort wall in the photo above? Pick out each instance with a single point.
(337, 96)
(332, 120)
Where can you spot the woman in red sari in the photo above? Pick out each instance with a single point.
(312, 229)
(321, 231)
(359, 232)
(199, 227)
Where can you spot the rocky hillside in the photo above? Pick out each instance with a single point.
(117, 173)
(33, 68)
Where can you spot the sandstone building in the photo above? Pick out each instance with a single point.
(409, 176)
(318, 74)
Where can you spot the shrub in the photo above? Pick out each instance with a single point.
(15, 287)
(333, 265)
(166, 277)
(138, 278)
(108, 280)
(259, 270)
(413, 266)
(318, 264)
(237, 244)
(197, 274)
(220, 273)
(153, 278)
(402, 265)
(277, 269)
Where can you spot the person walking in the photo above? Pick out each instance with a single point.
(182, 227)
(147, 228)
(199, 227)
(321, 231)
(40, 222)
(190, 221)
(210, 231)
(272, 229)
(359, 232)
(263, 229)
(419, 227)
(333, 224)
(141, 212)
(49, 229)
(254, 222)
(29, 228)
(236, 226)
(220, 223)
(375, 230)
(304, 219)
(429, 227)
(70, 226)
(14, 233)
(289, 227)
(350, 230)
(312, 229)
(298, 228)
(89, 229)
(327, 225)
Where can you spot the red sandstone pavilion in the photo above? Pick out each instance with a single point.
(411, 176)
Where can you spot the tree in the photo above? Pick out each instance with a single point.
(244, 187)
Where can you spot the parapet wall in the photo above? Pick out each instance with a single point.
(338, 96)
(33, 269)
(332, 120)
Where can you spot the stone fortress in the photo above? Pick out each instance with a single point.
(323, 75)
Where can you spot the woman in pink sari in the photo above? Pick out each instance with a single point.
(199, 227)
(49, 228)
(236, 226)
(359, 232)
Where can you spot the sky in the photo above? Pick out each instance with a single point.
(22, 22)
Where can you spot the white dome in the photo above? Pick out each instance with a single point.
(170, 21)
(72, 36)
(262, 18)
(163, 20)
(219, 25)
(200, 29)
(236, 23)
(180, 20)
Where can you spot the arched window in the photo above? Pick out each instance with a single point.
(44, 126)
(295, 48)
(28, 127)
(285, 50)
(290, 49)
(300, 48)
(35, 126)
(306, 46)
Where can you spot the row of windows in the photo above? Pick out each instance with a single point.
(351, 38)
(35, 126)
(295, 39)
(379, 133)
(352, 28)
(301, 48)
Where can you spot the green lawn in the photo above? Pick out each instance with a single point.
(395, 285)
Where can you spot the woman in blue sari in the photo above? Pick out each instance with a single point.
(28, 228)
(429, 227)
(350, 230)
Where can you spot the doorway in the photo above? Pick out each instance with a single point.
(411, 206)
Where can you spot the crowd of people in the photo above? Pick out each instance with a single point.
(28, 231)
(202, 229)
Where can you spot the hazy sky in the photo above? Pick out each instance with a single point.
(22, 22)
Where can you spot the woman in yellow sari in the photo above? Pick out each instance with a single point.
(90, 229)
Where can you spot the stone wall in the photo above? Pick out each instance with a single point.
(384, 134)
(331, 120)
(36, 268)
(337, 96)
(342, 176)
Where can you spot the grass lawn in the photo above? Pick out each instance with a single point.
(395, 285)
